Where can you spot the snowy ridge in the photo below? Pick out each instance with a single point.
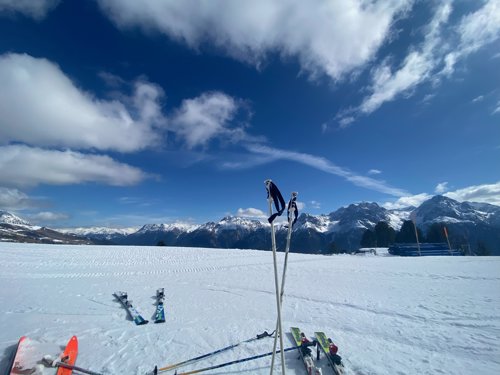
(85, 231)
(183, 227)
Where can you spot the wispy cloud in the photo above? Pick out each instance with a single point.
(478, 99)
(252, 213)
(36, 9)
(441, 188)
(486, 193)
(264, 154)
(415, 69)
(45, 216)
(374, 172)
(407, 201)
(443, 47)
(497, 109)
(14, 199)
(315, 204)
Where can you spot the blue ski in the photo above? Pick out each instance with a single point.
(134, 314)
(160, 308)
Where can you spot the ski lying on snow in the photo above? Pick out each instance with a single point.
(160, 310)
(29, 352)
(324, 344)
(134, 314)
(18, 362)
(69, 357)
(308, 360)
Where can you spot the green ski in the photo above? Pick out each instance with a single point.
(338, 369)
(308, 360)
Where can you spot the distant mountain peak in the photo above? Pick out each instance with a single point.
(9, 218)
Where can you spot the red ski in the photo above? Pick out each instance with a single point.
(69, 356)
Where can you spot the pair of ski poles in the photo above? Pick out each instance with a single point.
(274, 195)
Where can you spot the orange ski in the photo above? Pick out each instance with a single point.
(17, 363)
(69, 356)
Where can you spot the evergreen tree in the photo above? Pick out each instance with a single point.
(384, 234)
(482, 250)
(407, 233)
(333, 248)
(369, 239)
(435, 233)
(161, 243)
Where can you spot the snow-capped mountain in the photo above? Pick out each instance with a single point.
(9, 218)
(15, 229)
(183, 227)
(467, 223)
(99, 233)
(441, 209)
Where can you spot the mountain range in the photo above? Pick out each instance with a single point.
(468, 223)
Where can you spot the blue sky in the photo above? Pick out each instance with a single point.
(125, 112)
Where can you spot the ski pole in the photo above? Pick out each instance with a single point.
(75, 368)
(292, 211)
(273, 190)
(232, 362)
(191, 360)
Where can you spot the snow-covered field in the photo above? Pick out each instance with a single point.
(388, 315)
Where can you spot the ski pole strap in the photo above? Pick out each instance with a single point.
(292, 209)
(274, 194)
(265, 334)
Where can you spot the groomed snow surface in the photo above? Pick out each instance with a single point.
(388, 315)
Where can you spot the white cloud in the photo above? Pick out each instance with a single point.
(415, 69)
(41, 106)
(29, 166)
(36, 9)
(344, 122)
(44, 216)
(13, 199)
(315, 204)
(206, 117)
(374, 171)
(251, 213)
(497, 109)
(478, 99)
(486, 193)
(441, 188)
(407, 201)
(443, 47)
(479, 28)
(329, 37)
(265, 154)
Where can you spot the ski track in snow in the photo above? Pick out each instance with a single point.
(389, 315)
